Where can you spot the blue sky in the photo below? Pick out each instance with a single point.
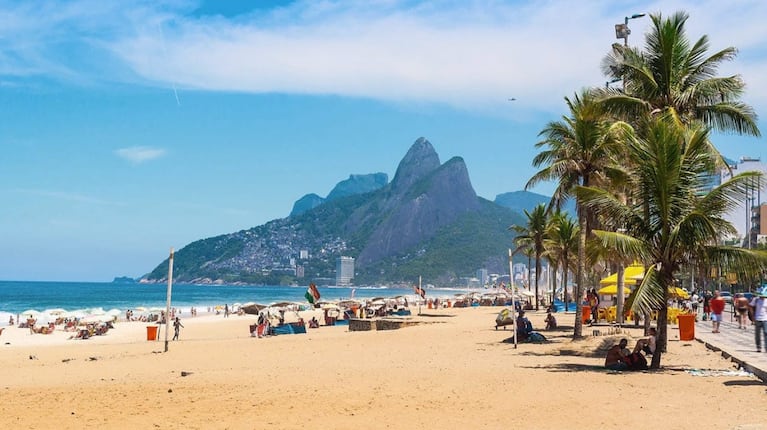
(131, 127)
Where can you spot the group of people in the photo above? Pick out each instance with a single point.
(620, 358)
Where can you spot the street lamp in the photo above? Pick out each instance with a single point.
(622, 31)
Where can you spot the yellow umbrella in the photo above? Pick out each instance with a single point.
(678, 292)
(631, 275)
(612, 290)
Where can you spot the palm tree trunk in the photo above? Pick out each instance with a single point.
(537, 277)
(578, 331)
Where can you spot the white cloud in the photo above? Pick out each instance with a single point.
(140, 154)
(470, 54)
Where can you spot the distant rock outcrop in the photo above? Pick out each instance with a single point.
(356, 184)
(520, 201)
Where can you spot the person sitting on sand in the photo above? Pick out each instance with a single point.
(619, 358)
(647, 345)
(551, 322)
(524, 327)
(314, 323)
(615, 359)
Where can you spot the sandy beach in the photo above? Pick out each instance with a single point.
(452, 370)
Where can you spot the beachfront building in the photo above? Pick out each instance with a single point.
(746, 218)
(344, 271)
(482, 276)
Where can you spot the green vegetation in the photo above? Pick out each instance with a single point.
(638, 162)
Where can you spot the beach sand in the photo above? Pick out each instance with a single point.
(451, 371)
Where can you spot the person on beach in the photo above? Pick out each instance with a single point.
(176, 328)
(619, 358)
(716, 305)
(615, 356)
(10, 321)
(524, 327)
(741, 309)
(226, 310)
(694, 303)
(551, 322)
(706, 305)
(647, 345)
(759, 311)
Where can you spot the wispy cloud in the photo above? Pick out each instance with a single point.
(463, 53)
(140, 154)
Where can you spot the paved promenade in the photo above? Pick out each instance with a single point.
(735, 344)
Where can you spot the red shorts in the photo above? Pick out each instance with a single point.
(706, 309)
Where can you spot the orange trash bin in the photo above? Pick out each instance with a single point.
(686, 326)
(586, 315)
(151, 332)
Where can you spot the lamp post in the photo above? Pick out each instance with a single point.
(622, 31)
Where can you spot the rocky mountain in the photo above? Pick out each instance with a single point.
(356, 184)
(427, 222)
(520, 201)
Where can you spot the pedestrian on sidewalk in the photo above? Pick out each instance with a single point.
(759, 310)
(717, 304)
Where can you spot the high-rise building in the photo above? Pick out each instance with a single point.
(743, 217)
(482, 276)
(344, 271)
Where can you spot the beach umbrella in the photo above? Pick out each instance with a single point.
(30, 313)
(612, 290)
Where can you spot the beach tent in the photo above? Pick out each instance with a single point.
(631, 275)
(611, 290)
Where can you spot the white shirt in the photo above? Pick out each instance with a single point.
(760, 308)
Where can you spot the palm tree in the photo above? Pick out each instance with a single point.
(533, 233)
(675, 77)
(578, 150)
(562, 243)
(669, 221)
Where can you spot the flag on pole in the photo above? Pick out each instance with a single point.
(420, 291)
(312, 295)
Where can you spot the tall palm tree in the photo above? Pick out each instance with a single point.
(562, 243)
(534, 233)
(669, 221)
(576, 152)
(678, 78)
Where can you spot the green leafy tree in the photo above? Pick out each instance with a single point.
(677, 78)
(562, 244)
(577, 151)
(534, 233)
(668, 221)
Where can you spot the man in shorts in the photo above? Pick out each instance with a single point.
(717, 308)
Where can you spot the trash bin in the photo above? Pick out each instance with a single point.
(586, 314)
(151, 332)
(686, 326)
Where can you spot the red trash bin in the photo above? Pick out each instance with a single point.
(586, 314)
(686, 326)
(151, 332)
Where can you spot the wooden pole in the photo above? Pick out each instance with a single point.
(167, 303)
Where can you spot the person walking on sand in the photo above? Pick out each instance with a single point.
(717, 307)
(759, 310)
(176, 328)
(226, 310)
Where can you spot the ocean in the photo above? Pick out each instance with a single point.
(19, 296)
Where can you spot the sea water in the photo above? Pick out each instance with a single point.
(19, 296)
